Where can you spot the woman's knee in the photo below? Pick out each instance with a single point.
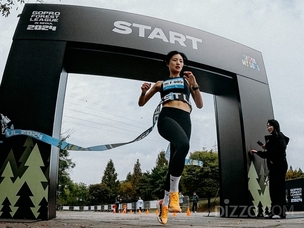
(184, 148)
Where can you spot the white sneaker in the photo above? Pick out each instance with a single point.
(276, 217)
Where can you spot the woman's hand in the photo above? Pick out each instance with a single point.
(145, 87)
(253, 151)
(145, 94)
(197, 97)
(190, 78)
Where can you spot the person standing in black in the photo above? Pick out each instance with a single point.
(194, 201)
(117, 202)
(275, 153)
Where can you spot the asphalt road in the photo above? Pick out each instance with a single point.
(90, 219)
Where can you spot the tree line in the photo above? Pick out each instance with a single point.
(148, 185)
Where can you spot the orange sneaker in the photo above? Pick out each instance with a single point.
(163, 213)
(174, 202)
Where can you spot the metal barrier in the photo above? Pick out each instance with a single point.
(148, 205)
(186, 203)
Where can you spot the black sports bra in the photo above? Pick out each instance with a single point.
(175, 89)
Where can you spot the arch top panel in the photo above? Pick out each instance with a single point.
(137, 32)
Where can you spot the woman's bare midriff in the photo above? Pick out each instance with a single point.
(177, 104)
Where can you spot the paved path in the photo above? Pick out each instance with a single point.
(91, 219)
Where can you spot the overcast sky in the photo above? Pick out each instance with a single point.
(101, 110)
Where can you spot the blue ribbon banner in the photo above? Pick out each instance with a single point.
(10, 132)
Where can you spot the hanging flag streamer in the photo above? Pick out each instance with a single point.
(188, 161)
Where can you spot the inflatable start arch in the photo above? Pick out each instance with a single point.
(51, 41)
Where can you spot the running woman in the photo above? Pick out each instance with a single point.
(174, 122)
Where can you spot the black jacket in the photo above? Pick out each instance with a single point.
(275, 152)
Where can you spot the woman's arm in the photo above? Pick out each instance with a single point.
(146, 95)
(197, 97)
(194, 88)
(262, 154)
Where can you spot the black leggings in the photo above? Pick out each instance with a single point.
(277, 188)
(174, 125)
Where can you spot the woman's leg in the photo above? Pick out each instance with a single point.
(277, 190)
(175, 126)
